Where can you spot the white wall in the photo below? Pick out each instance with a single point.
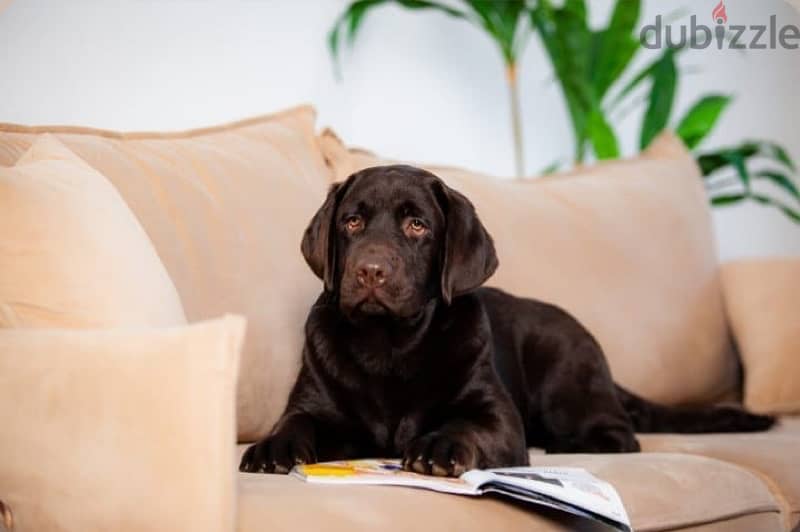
(420, 87)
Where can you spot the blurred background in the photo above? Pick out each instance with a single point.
(416, 85)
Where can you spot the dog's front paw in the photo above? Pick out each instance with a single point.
(278, 453)
(441, 455)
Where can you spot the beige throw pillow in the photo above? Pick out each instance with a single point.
(71, 252)
(762, 297)
(625, 246)
(130, 430)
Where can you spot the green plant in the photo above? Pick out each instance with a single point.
(725, 190)
(504, 21)
(589, 64)
(586, 63)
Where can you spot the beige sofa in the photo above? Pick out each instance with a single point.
(626, 246)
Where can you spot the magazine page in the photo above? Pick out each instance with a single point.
(572, 485)
(379, 472)
(543, 500)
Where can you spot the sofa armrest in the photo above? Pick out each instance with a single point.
(762, 302)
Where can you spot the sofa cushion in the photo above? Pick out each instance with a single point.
(774, 456)
(130, 430)
(225, 208)
(762, 299)
(72, 253)
(660, 492)
(627, 247)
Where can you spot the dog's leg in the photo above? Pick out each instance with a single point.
(483, 430)
(309, 430)
(578, 409)
(557, 374)
(291, 442)
(460, 446)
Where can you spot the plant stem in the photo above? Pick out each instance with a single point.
(516, 123)
(580, 150)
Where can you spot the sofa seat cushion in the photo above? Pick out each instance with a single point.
(660, 492)
(625, 246)
(774, 456)
(225, 208)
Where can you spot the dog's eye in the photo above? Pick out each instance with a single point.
(415, 227)
(353, 223)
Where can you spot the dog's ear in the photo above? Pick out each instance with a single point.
(319, 240)
(468, 256)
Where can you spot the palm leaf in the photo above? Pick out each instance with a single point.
(731, 199)
(765, 200)
(775, 152)
(567, 39)
(427, 4)
(781, 180)
(662, 96)
(615, 46)
(737, 161)
(711, 162)
(352, 18)
(501, 19)
(551, 168)
(727, 199)
(602, 136)
(701, 119)
(637, 80)
(645, 73)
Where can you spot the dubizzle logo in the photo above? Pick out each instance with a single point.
(719, 14)
(757, 36)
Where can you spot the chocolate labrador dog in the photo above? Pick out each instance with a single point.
(407, 356)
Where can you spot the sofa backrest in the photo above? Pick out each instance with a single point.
(625, 246)
(225, 208)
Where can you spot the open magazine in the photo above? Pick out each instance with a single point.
(569, 489)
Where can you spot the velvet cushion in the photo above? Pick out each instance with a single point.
(625, 246)
(762, 297)
(72, 253)
(130, 430)
(226, 208)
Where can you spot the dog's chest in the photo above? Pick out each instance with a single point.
(388, 414)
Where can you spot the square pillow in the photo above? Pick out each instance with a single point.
(130, 430)
(762, 299)
(72, 253)
(225, 208)
(625, 246)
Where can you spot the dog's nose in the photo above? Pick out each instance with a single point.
(372, 274)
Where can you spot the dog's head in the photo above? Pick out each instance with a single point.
(390, 239)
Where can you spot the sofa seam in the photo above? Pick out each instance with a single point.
(664, 527)
(785, 507)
